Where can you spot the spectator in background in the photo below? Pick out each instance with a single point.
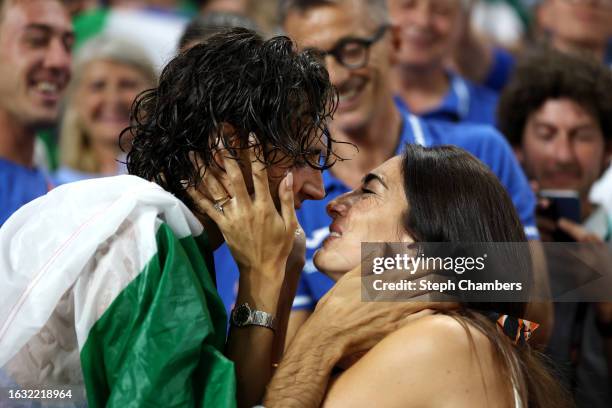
(210, 23)
(577, 25)
(108, 74)
(580, 25)
(430, 31)
(35, 52)
(557, 113)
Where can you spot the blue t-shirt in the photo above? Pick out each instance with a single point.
(18, 186)
(484, 142)
(501, 70)
(465, 102)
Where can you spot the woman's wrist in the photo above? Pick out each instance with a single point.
(261, 289)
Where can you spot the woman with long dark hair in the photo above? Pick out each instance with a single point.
(459, 358)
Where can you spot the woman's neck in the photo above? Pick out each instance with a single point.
(106, 156)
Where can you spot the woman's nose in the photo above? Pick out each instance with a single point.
(339, 206)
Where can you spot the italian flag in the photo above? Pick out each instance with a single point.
(108, 285)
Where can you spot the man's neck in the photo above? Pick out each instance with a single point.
(422, 89)
(597, 50)
(16, 140)
(377, 142)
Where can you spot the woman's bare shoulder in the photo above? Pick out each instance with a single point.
(429, 362)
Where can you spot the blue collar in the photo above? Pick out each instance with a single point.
(413, 130)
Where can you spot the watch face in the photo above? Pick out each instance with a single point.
(242, 315)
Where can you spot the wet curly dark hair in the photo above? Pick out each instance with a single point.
(234, 77)
(548, 74)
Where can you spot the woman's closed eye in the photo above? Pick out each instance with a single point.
(367, 191)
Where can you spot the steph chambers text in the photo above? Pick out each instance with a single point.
(450, 285)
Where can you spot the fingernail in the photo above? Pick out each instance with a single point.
(289, 181)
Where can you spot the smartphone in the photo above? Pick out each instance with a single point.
(563, 204)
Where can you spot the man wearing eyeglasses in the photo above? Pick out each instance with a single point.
(429, 33)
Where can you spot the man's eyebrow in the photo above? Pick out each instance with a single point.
(372, 176)
(47, 28)
(580, 126)
(38, 26)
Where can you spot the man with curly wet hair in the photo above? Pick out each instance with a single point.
(120, 294)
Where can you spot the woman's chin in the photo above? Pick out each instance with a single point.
(328, 266)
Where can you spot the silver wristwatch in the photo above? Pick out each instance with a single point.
(243, 316)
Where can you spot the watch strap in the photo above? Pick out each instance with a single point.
(264, 319)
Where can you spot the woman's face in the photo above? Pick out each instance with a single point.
(372, 213)
(104, 97)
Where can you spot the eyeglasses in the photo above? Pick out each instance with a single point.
(351, 52)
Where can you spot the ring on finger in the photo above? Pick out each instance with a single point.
(220, 203)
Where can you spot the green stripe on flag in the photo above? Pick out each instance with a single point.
(160, 343)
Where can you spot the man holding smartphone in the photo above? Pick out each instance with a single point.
(557, 114)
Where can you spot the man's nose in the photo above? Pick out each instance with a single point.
(57, 55)
(338, 73)
(564, 150)
(312, 186)
(422, 15)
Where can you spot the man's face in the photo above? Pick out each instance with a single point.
(563, 147)
(35, 41)
(429, 30)
(307, 181)
(578, 21)
(362, 90)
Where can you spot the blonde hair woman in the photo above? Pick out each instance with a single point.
(108, 74)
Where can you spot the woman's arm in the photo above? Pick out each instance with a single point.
(260, 238)
(427, 363)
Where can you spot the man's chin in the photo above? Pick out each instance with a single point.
(42, 119)
(349, 122)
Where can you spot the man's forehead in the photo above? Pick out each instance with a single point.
(23, 14)
(564, 110)
(322, 26)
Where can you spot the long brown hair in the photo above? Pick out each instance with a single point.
(453, 197)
